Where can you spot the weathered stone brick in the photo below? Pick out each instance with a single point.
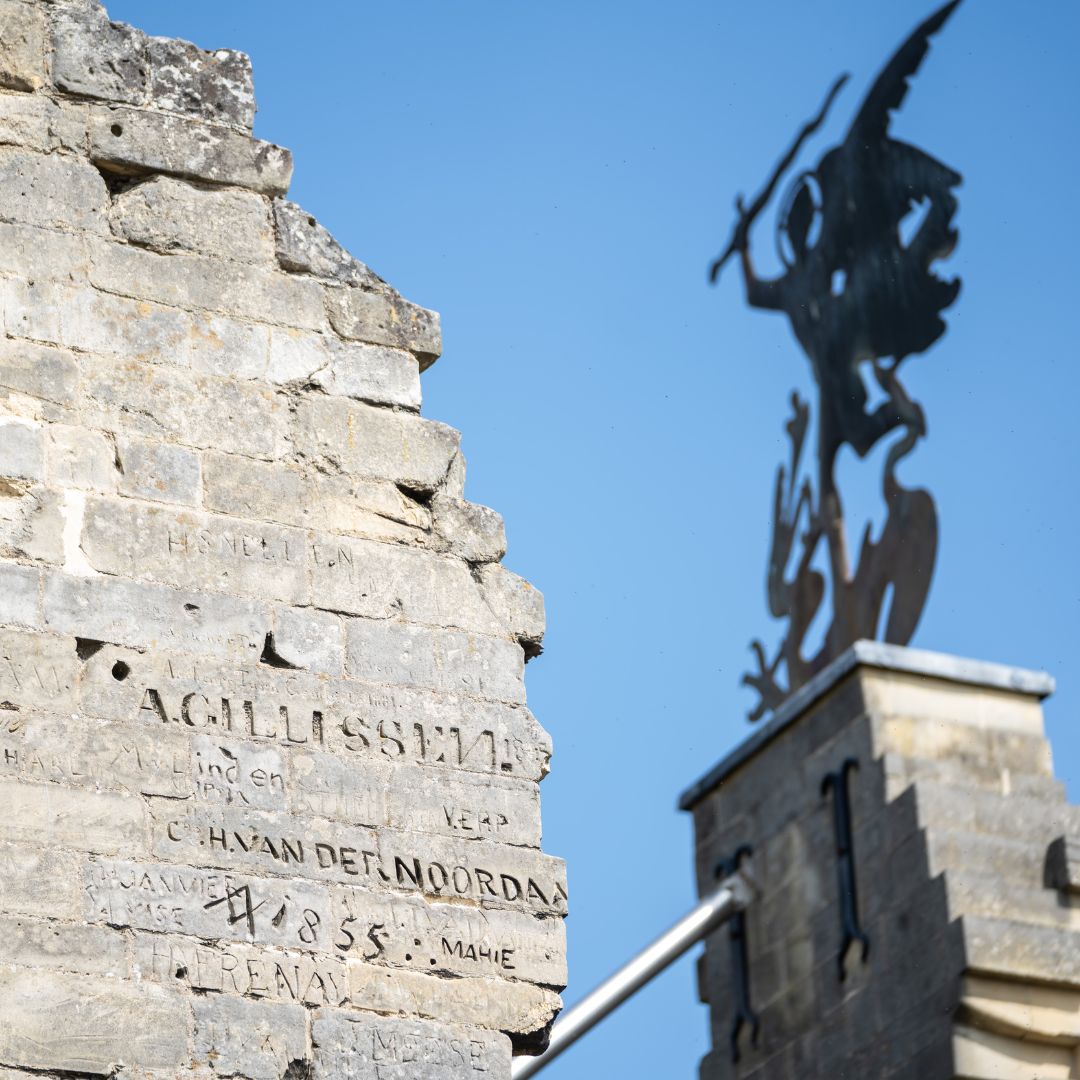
(256, 1040)
(76, 457)
(192, 409)
(423, 800)
(155, 616)
(137, 142)
(229, 347)
(168, 215)
(518, 604)
(37, 671)
(450, 661)
(385, 318)
(91, 950)
(225, 772)
(194, 281)
(513, 1007)
(194, 550)
(94, 57)
(19, 587)
(375, 443)
(39, 882)
(62, 817)
(32, 519)
(22, 449)
(396, 1049)
(22, 45)
(88, 1025)
(52, 190)
(38, 370)
(325, 786)
(380, 581)
(211, 85)
(158, 471)
(34, 122)
(474, 533)
(305, 247)
(309, 640)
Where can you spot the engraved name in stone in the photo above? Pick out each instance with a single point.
(436, 866)
(37, 671)
(352, 719)
(208, 904)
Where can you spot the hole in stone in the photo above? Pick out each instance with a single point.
(191, 607)
(120, 671)
(117, 130)
(272, 658)
(181, 972)
(86, 647)
(418, 495)
(408, 957)
(298, 1070)
(8, 706)
(433, 961)
(312, 222)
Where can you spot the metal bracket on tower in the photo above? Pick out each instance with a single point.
(851, 931)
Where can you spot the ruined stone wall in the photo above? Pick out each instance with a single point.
(966, 860)
(268, 783)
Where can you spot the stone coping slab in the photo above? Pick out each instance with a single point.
(873, 654)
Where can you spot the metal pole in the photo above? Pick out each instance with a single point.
(730, 897)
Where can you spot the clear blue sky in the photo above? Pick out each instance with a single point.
(554, 178)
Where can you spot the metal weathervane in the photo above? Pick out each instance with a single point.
(859, 289)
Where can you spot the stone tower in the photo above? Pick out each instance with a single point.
(269, 783)
(931, 929)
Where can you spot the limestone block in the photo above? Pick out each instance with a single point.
(445, 660)
(208, 904)
(325, 786)
(305, 247)
(38, 370)
(76, 457)
(38, 123)
(257, 490)
(309, 640)
(1017, 950)
(211, 85)
(370, 508)
(194, 281)
(41, 254)
(136, 141)
(154, 616)
(192, 409)
(381, 581)
(395, 1049)
(88, 1025)
(105, 756)
(31, 522)
(228, 347)
(91, 950)
(22, 45)
(157, 471)
(375, 443)
(256, 1040)
(167, 214)
(449, 938)
(518, 604)
(385, 318)
(512, 1007)
(19, 606)
(52, 190)
(372, 373)
(56, 816)
(87, 320)
(37, 671)
(454, 484)
(474, 532)
(364, 372)
(39, 882)
(22, 449)
(505, 811)
(245, 970)
(94, 57)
